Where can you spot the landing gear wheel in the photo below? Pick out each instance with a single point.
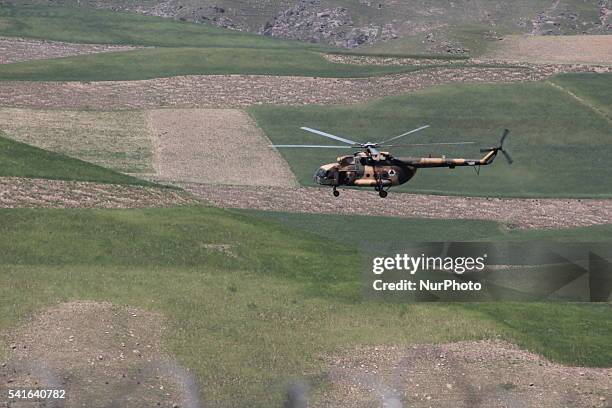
(382, 193)
(336, 193)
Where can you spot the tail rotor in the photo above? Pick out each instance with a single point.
(500, 148)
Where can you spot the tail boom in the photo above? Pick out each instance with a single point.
(429, 162)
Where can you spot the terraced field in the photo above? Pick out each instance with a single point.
(116, 140)
(214, 146)
(14, 50)
(575, 49)
(237, 288)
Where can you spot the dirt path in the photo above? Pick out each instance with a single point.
(17, 192)
(482, 374)
(234, 91)
(520, 213)
(582, 101)
(22, 49)
(222, 146)
(101, 354)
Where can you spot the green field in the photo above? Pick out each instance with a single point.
(286, 289)
(593, 88)
(356, 229)
(180, 49)
(275, 301)
(166, 62)
(21, 160)
(561, 146)
(80, 25)
(118, 140)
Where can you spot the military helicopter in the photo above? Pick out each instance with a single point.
(374, 168)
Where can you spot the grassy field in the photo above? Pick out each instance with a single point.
(166, 62)
(118, 140)
(275, 302)
(21, 160)
(354, 229)
(180, 48)
(107, 27)
(560, 146)
(593, 88)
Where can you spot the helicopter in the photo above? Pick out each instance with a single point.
(372, 167)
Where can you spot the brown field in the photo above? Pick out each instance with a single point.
(21, 49)
(102, 355)
(460, 375)
(17, 192)
(117, 140)
(583, 49)
(517, 212)
(235, 91)
(221, 146)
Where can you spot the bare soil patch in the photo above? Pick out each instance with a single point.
(115, 139)
(215, 146)
(22, 49)
(17, 192)
(585, 49)
(517, 212)
(235, 91)
(465, 374)
(103, 355)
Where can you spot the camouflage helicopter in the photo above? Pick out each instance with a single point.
(374, 168)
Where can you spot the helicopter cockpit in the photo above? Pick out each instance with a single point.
(326, 175)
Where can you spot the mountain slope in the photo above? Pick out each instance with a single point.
(433, 26)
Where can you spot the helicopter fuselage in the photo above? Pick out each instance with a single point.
(365, 170)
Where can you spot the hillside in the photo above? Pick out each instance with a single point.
(458, 27)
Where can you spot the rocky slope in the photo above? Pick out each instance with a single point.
(438, 25)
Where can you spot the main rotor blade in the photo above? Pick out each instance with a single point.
(341, 139)
(429, 144)
(315, 146)
(406, 134)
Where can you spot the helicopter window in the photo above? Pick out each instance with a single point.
(385, 175)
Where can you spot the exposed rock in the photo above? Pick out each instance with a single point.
(215, 15)
(561, 19)
(308, 21)
(212, 14)
(605, 15)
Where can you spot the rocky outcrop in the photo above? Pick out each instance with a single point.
(605, 15)
(308, 21)
(561, 19)
(215, 15)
